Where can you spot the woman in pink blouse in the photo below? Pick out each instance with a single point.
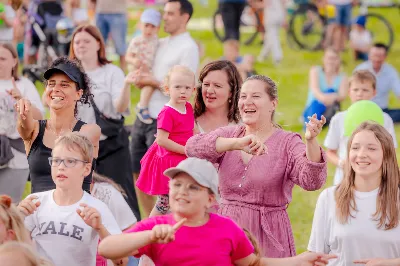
(259, 163)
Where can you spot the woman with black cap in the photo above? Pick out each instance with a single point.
(110, 103)
(66, 85)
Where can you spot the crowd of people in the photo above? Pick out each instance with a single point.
(213, 176)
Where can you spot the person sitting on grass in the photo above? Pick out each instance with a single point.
(67, 222)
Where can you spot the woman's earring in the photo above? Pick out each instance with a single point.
(229, 101)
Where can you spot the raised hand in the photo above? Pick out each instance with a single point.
(22, 108)
(90, 216)
(29, 205)
(251, 144)
(14, 91)
(314, 126)
(165, 233)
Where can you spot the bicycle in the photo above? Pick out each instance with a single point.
(250, 24)
(308, 24)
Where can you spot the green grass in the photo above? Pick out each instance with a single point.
(292, 79)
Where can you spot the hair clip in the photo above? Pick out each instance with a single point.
(5, 200)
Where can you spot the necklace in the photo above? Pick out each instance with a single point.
(62, 131)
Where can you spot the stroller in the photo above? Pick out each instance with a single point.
(50, 33)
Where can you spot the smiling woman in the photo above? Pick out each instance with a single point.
(259, 163)
(359, 218)
(66, 86)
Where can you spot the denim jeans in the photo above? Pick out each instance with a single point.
(117, 26)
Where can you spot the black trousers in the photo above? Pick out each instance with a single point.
(231, 13)
(114, 161)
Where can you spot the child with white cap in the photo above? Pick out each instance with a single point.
(141, 53)
(190, 235)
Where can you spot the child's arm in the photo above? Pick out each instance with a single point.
(123, 245)
(304, 259)
(163, 141)
(132, 59)
(117, 246)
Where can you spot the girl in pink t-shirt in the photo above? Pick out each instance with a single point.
(175, 125)
(190, 235)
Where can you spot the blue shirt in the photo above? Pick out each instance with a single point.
(387, 79)
(323, 85)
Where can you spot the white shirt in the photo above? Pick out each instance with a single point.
(7, 33)
(361, 39)
(62, 236)
(116, 203)
(8, 118)
(177, 50)
(336, 140)
(107, 85)
(355, 240)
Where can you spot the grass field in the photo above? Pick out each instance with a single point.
(292, 77)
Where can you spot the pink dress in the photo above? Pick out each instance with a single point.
(257, 195)
(157, 159)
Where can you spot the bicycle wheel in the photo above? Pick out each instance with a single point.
(380, 28)
(307, 27)
(250, 26)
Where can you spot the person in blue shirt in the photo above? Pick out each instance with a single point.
(387, 78)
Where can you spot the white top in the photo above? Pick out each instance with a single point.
(340, 2)
(107, 85)
(336, 140)
(8, 118)
(62, 236)
(116, 203)
(7, 33)
(361, 39)
(359, 238)
(177, 50)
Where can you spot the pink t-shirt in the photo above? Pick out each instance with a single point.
(219, 242)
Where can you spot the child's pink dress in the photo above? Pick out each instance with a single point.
(157, 159)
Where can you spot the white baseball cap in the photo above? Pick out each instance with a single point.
(200, 170)
(151, 16)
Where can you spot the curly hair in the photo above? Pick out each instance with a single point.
(85, 80)
(235, 82)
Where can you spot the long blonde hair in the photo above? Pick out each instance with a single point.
(387, 207)
(12, 219)
(23, 250)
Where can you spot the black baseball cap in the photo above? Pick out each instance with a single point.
(74, 73)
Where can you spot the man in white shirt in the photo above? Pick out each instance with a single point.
(177, 49)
